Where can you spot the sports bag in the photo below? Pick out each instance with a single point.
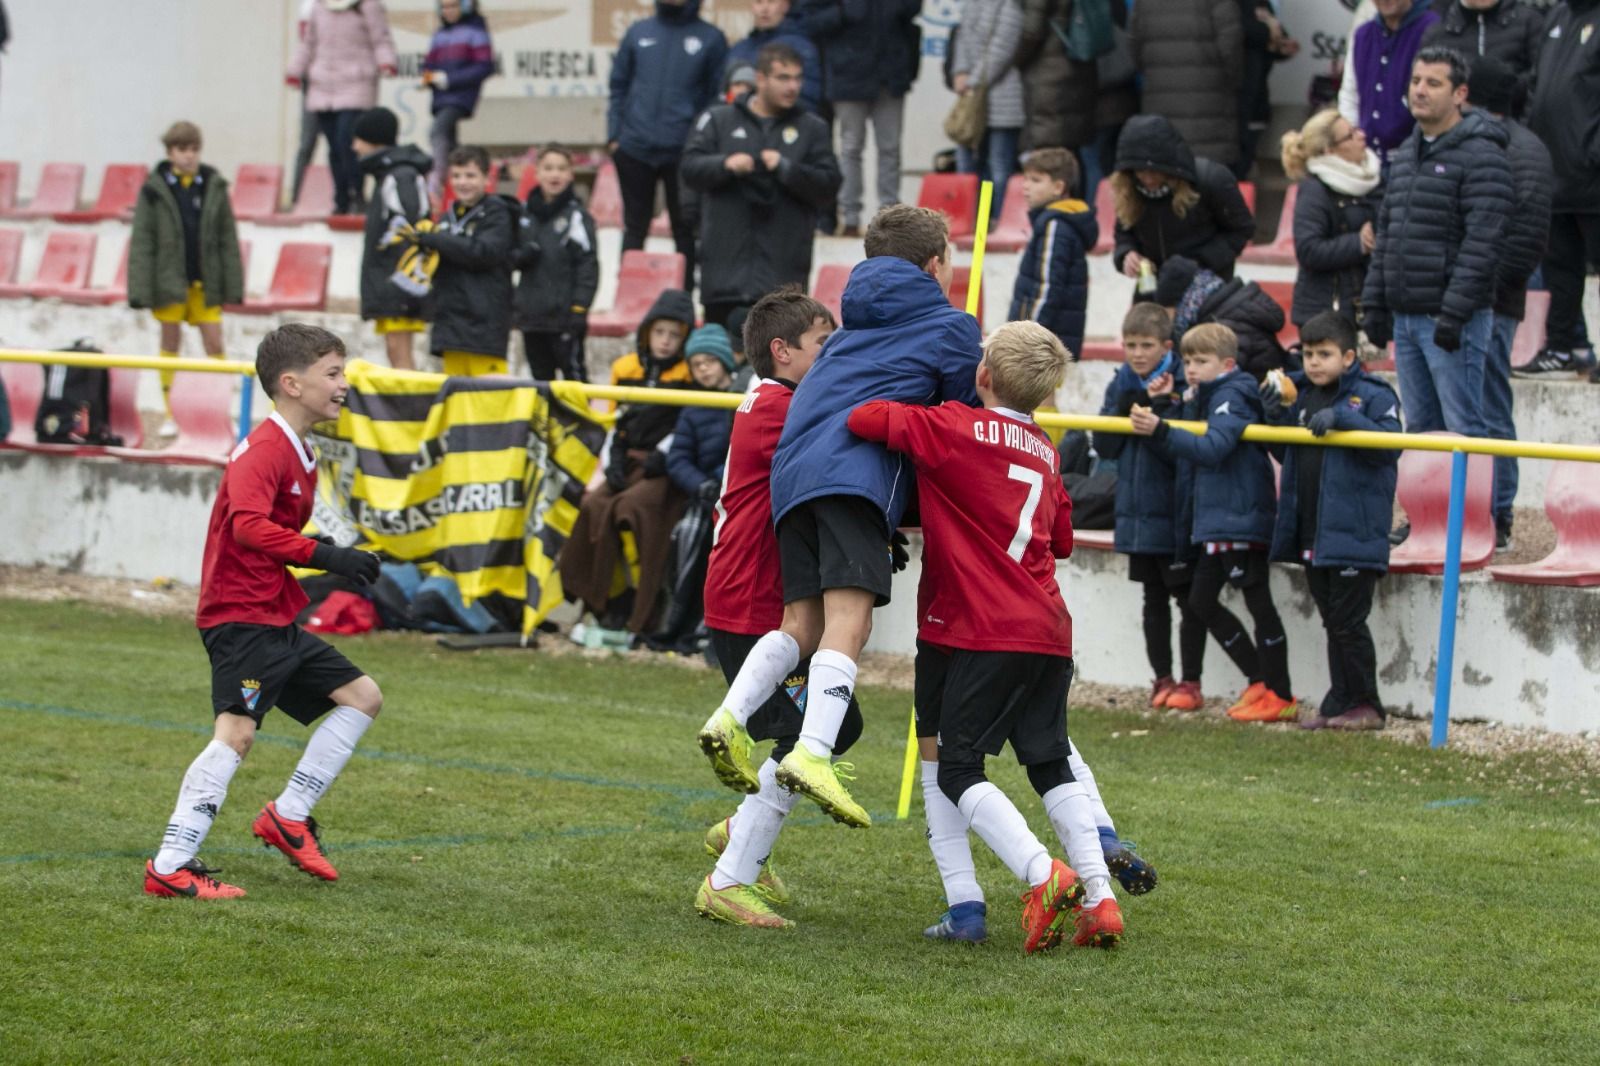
(76, 406)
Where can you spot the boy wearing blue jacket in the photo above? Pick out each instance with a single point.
(837, 499)
(1146, 512)
(1334, 508)
(1053, 277)
(1227, 506)
(460, 59)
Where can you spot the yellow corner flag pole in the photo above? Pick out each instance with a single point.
(980, 238)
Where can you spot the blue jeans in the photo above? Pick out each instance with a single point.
(1440, 389)
(1497, 411)
(996, 160)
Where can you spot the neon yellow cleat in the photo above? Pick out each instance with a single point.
(818, 778)
(738, 905)
(769, 886)
(727, 744)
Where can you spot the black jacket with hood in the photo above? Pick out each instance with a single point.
(400, 177)
(562, 278)
(472, 287)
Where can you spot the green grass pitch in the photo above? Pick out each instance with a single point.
(519, 843)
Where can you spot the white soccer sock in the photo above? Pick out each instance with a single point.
(1072, 815)
(996, 819)
(753, 831)
(1082, 773)
(773, 659)
(205, 786)
(327, 752)
(947, 839)
(828, 691)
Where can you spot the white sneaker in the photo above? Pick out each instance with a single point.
(168, 430)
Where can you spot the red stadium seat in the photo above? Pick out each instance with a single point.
(1424, 492)
(59, 186)
(125, 420)
(605, 200)
(1014, 228)
(959, 283)
(1247, 189)
(314, 204)
(1573, 504)
(10, 255)
(203, 406)
(1530, 331)
(643, 277)
(8, 187)
(1282, 293)
(1281, 251)
(829, 289)
(256, 190)
(103, 296)
(1105, 213)
(119, 189)
(1105, 351)
(299, 281)
(24, 390)
(65, 266)
(1098, 539)
(661, 225)
(954, 194)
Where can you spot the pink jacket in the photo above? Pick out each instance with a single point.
(340, 52)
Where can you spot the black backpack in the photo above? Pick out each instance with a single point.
(76, 406)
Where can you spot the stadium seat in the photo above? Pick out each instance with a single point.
(1102, 351)
(256, 190)
(66, 264)
(1424, 492)
(1247, 189)
(314, 204)
(1098, 539)
(829, 289)
(605, 199)
(119, 189)
(203, 406)
(1105, 213)
(1530, 331)
(661, 225)
(1281, 251)
(125, 420)
(642, 278)
(24, 390)
(960, 281)
(1013, 229)
(1572, 501)
(954, 194)
(59, 186)
(1282, 293)
(8, 187)
(299, 281)
(10, 255)
(105, 295)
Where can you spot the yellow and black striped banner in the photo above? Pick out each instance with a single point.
(477, 478)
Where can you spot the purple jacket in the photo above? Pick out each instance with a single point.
(464, 54)
(1383, 75)
(339, 55)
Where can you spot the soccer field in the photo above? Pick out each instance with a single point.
(519, 839)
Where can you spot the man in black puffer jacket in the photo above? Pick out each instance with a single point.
(1508, 31)
(1440, 235)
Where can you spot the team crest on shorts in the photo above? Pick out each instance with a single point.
(796, 688)
(250, 692)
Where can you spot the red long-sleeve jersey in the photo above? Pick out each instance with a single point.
(263, 503)
(744, 583)
(995, 518)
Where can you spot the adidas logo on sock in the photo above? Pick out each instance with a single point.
(207, 809)
(838, 692)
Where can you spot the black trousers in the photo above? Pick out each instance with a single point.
(1267, 659)
(1158, 600)
(1574, 244)
(638, 181)
(1344, 600)
(550, 353)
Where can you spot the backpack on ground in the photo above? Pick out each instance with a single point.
(76, 406)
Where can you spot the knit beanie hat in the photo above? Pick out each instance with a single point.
(1492, 86)
(711, 339)
(743, 73)
(377, 125)
(1176, 275)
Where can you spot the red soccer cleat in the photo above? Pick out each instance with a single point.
(1185, 696)
(1271, 707)
(1100, 926)
(1249, 696)
(1160, 689)
(192, 879)
(1045, 909)
(298, 840)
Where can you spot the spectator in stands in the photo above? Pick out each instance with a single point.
(1193, 295)
(984, 60)
(764, 166)
(399, 198)
(1495, 89)
(1067, 103)
(1266, 43)
(556, 288)
(1191, 53)
(1335, 213)
(183, 253)
(460, 59)
(694, 463)
(1053, 275)
(870, 58)
(1566, 99)
(1440, 235)
(1377, 72)
(774, 23)
(1170, 203)
(667, 70)
(1510, 31)
(475, 239)
(345, 47)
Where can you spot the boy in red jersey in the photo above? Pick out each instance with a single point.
(994, 658)
(744, 600)
(248, 603)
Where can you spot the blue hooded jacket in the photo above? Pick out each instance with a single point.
(1224, 484)
(1355, 507)
(667, 70)
(901, 340)
(1146, 522)
(1053, 275)
(787, 32)
(464, 52)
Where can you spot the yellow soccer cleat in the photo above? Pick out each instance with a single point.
(769, 886)
(818, 778)
(737, 905)
(727, 744)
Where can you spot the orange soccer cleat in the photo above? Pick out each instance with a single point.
(1185, 696)
(298, 840)
(192, 879)
(1160, 689)
(1099, 926)
(1271, 707)
(1256, 690)
(1045, 909)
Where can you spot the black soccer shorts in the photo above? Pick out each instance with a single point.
(977, 701)
(255, 668)
(834, 542)
(781, 717)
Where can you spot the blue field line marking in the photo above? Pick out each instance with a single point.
(1465, 801)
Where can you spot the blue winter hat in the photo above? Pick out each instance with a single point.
(711, 339)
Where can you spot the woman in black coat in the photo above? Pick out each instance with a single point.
(1335, 214)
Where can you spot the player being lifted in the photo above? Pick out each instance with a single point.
(248, 603)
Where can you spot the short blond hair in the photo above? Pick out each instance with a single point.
(181, 135)
(1026, 364)
(1211, 338)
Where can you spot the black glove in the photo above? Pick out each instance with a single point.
(617, 476)
(655, 464)
(899, 552)
(1271, 399)
(323, 538)
(1378, 327)
(1447, 334)
(1321, 422)
(709, 490)
(359, 566)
